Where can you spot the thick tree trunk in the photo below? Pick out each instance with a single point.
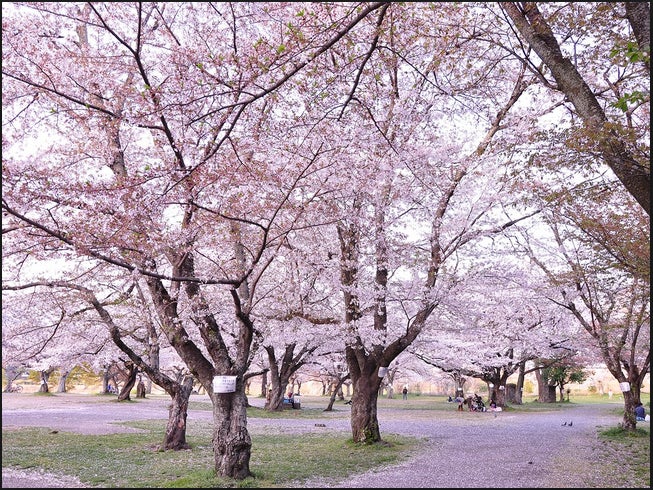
(549, 395)
(264, 384)
(175, 437)
(45, 376)
(105, 382)
(364, 421)
(61, 388)
(274, 402)
(12, 373)
(501, 396)
(639, 17)
(629, 420)
(278, 382)
(129, 383)
(545, 392)
(232, 444)
(511, 393)
(280, 376)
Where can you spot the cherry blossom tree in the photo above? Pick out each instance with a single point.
(138, 339)
(38, 333)
(571, 41)
(596, 258)
(162, 160)
(188, 146)
(604, 74)
(421, 176)
(505, 308)
(281, 370)
(294, 317)
(611, 300)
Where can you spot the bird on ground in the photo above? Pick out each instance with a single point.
(564, 423)
(570, 423)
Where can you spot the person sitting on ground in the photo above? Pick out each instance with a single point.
(479, 406)
(449, 399)
(640, 412)
(469, 401)
(493, 404)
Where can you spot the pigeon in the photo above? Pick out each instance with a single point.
(570, 424)
(564, 423)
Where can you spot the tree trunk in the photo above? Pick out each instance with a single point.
(545, 392)
(232, 444)
(639, 16)
(629, 420)
(519, 387)
(549, 395)
(45, 376)
(337, 390)
(501, 396)
(61, 388)
(175, 437)
(140, 389)
(347, 384)
(105, 381)
(12, 373)
(364, 421)
(275, 402)
(511, 393)
(129, 383)
(264, 384)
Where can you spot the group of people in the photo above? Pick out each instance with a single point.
(475, 403)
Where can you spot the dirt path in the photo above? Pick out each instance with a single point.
(504, 450)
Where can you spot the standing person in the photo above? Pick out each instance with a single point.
(405, 393)
(461, 402)
(640, 412)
